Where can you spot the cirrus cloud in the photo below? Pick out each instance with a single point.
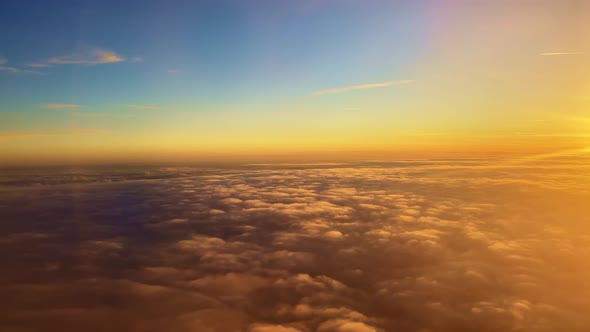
(57, 106)
(89, 58)
(362, 87)
(560, 53)
(141, 107)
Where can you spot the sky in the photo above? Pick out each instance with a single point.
(88, 81)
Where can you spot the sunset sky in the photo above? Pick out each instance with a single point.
(103, 81)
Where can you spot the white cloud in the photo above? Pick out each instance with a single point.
(362, 87)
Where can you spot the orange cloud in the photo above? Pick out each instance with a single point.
(60, 106)
(90, 58)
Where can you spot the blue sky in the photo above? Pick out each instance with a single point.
(202, 51)
(197, 78)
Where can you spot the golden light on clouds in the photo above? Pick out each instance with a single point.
(295, 166)
(561, 53)
(87, 58)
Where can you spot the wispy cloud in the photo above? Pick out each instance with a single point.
(560, 53)
(136, 59)
(34, 134)
(88, 114)
(141, 107)
(60, 106)
(173, 71)
(38, 65)
(89, 58)
(12, 69)
(362, 87)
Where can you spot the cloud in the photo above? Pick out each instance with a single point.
(362, 87)
(560, 53)
(60, 106)
(136, 59)
(17, 70)
(341, 325)
(173, 71)
(88, 114)
(445, 245)
(38, 65)
(12, 69)
(271, 328)
(141, 107)
(90, 58)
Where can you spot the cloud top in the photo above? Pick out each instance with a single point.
(445, 245)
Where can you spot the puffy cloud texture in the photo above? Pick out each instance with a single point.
(448, 246)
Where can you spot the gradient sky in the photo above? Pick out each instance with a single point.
(206, 80)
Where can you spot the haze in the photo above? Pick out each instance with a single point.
(295, 166)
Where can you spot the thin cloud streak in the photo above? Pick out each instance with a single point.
(362, 87)
(33, 134)
(141, 107)
(12, 69)
(60, 106)
(560, 53)
(38, 65)
(91, 58)
(88, 114)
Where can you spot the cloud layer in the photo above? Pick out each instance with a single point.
(409, 246)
